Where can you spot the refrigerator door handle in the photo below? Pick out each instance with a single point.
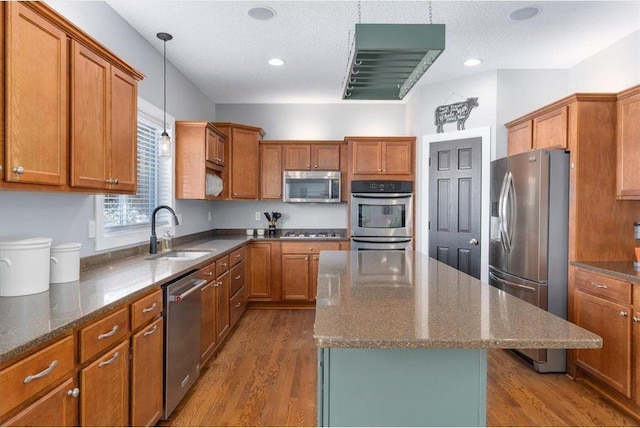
(510, 205)
(511, 284)
(502, 214)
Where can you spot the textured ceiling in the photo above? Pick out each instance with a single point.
(224, 52)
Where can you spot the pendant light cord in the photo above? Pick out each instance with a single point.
(165, 86)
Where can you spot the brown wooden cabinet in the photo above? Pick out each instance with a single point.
(520, 138)
(223, 320)
(635, 341)
(57, 408)
(300, 268)
(242, 173)
(628, 144)
(312, 156)
(550, 130)
(389, 156)
(270, 171)
(237, 279)
(263, 271)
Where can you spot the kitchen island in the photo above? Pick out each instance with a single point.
(402, 339)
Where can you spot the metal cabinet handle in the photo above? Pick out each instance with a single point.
(306, 258)
(223, 264)
(149, 309)
(75, 392)
(237, 256)
(316, 166)
(635, 319)
(116, 181)
(623, 313)
(109, 361)
(43, 373)
(598, 285)
(109, 181)
(238, 305)
(109, 333)
(238, 277)
(18, 170)
(209, 273)
(150, 332)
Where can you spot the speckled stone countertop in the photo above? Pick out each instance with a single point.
(620, 270)
(27, 321)
(375, 299)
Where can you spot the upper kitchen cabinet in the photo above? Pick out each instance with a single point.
(628, 144)
(520, 138)
(546, 130)
(371, 157)
(270, 170)
(71, 107)
(241, 176)
(312, 156)
(200, 150)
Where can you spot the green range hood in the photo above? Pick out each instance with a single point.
(388, 59)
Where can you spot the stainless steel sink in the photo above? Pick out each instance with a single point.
(179, 255)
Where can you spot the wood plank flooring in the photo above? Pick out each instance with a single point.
(265, 375)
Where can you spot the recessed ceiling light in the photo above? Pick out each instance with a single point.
(472, 62)
(261, 13)
(525, 13)
(276, 62)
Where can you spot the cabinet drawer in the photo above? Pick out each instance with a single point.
(146, 309)
(308, 247)
(208, 272)
(237, 278)
(26, 378)
(237, 305)
(604, 286)
(104, 333)
(222, 265)
(237, 256)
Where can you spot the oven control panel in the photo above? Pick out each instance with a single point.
(381, 186)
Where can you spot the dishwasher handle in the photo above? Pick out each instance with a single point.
(197, 283)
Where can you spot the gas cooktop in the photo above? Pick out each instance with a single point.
(310, 234)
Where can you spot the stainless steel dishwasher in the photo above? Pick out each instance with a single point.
(182, 303)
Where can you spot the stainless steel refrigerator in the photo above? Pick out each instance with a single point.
(528, 249)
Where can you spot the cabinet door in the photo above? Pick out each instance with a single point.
(611, 321)
(366, 157)
(295, 276)
(271, 166)
(245, 164)
(628, 140)
(221, 142)
(550, 130)
(520, 138)
(636, 355)
(313, 276)
(297, 157)
(90, 119)
(57, 408)
(123, 144)
(104, 389)
(36, 98)
(397, 157)
(222, 307)
(325, 157)
(147, 375)
(259, 273)
(211, 147)
(208, 320)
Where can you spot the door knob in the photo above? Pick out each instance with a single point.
(473, 241)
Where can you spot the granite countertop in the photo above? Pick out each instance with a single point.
(27, 321)
(375, 299)
(620, 270)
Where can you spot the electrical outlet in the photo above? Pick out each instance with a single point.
(92, 229)
(257, 215)
(209, 216)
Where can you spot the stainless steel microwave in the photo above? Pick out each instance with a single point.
(311, 186)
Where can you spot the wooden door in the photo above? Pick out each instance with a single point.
(366, 157)
(455, 175)
(611, 321)
(259, 273)
(245, 166)
(397, 157)
(104, 389)
(222, 307)
(123, 144)
(297, 157)
(295, 276)
(221, 142)
(271, 171)
(90, 119)
(325, 157)
(628, 147)
(550, 130)
(147, 374)
(208, 320)
(520, 138)
(58, 408)
(36, 99)
(211, 146)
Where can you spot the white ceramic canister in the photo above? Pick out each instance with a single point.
(65, 263)
(24, 266)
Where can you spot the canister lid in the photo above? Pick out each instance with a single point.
(26, 244)
(63, 248)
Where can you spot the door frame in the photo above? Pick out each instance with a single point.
(422, 189)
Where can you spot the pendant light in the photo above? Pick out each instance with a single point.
(164, 149)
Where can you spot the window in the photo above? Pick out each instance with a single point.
(126, 219)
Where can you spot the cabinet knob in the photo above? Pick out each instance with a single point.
(116, 181)
(623, 314)
(315, 166)
(306, 258)
(18, 170)
(635, 319)
(209, 273)
(109, 180)
(237, 277)
(238, 305)
(75, 392)
(235, 194)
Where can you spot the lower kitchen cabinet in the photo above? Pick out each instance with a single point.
(208, 321)
(263, 271)
(104, 387)
(223, 322)
(300, 268)
(58, 408)
(147, 374)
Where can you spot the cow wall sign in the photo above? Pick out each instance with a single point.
(456, 112)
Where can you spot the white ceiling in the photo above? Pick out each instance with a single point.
(224, 52)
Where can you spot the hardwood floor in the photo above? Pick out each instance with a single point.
(265, 375)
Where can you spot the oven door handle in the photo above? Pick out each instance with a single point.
(383, 240)
(382, 195)
(196, 285)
